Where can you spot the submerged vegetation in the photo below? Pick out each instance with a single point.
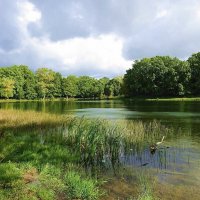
(46, 156)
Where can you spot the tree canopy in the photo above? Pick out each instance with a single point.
(19, 82)
(158, 76)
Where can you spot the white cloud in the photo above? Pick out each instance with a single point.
(95, 37)
(28, 12)
(101, 55)
(161, 14)
(95, 55)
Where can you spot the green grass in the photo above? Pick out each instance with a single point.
(17, 119)
(36, 100)
(146, 187)
(175, 99)
(79, 188)
(164, 99)
(26, 182)
(45, 156)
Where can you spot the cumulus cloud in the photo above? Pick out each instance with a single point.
(97, 38)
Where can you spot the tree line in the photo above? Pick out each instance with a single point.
(19, 82)
(163, 76)
(158, 76)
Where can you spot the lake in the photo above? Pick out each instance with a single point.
(176, 162)
(184, 114)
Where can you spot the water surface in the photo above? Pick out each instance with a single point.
(177, 160)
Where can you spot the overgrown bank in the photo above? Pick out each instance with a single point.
(57, 157)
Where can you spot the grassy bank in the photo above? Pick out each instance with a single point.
(175, 99)
(45, 156)
(111, 98)
(59, 99)
(36, 100)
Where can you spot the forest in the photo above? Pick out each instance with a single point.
(159, 76)
(19, 82)
(163, 76)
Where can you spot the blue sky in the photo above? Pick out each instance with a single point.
(96, 37)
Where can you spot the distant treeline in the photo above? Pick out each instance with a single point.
(19, 82)
(163, 76)
(153, 77)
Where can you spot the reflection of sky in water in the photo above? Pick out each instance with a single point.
(121, 113)
(183, 156)
(180, 160)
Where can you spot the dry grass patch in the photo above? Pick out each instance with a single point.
(30, 119)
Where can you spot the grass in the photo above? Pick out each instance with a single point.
(106, 98)
(37, 150)
(146, 187)
(35, 100)
(175, 99)
(16, 119)
(79, 188)
(26, 182)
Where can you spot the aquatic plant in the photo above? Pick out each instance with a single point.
(37, 148)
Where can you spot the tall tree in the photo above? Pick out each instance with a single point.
(86, 87)
(57, 89)
(194, 62)
(114, 87)
(45, 78)
(6, 87)
(157, 76)
(29, 86)
(70, 86)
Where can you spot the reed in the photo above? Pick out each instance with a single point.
(101, 142)
(16, 119)
(39, 140)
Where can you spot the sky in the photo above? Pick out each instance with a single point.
(96, 37)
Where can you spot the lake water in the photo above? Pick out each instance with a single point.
(177, 162)
(182, 114)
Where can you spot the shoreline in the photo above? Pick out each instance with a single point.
(112, 98)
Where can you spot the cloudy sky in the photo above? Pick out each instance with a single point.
(96, 37)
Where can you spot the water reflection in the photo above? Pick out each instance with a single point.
(179, 114)
(183, 153)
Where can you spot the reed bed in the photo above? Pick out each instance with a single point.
(100, 142)
(97, 142)
(15, 119)
(41, 139)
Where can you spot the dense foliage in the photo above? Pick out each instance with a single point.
(163, 76)
(19, 82)
(154, 77)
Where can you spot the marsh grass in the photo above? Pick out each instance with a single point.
(175, 99)
(16, 119)
(36, 150)
(147, 185)
(101, 142)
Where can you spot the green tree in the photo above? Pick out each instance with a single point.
(70, 86)
(86, 87)
(45, 82)
(6, 87)
(157, 76)
(29, 86)
(114, 87)
(102, 85)
(57, 82)
(194, 62)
